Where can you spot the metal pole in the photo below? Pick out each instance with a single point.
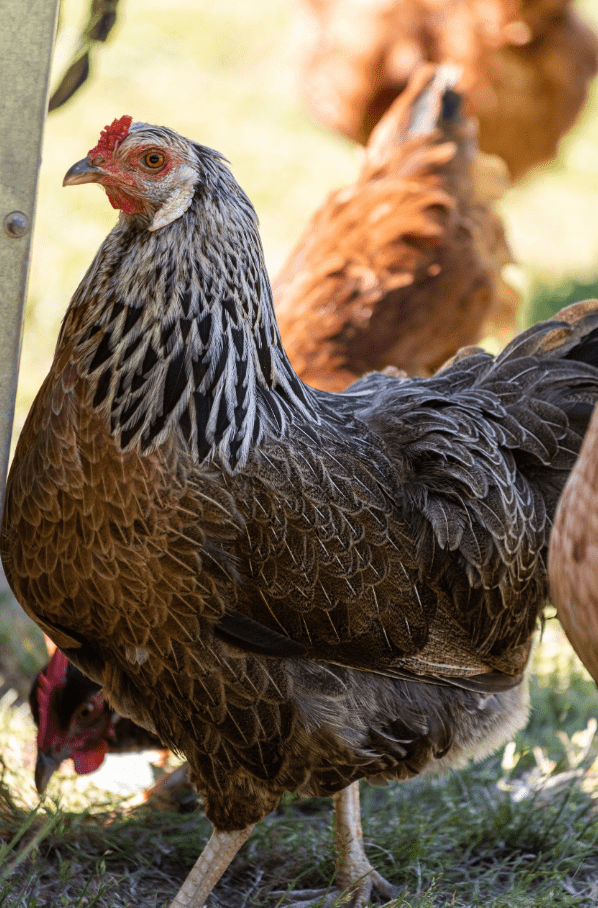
(27, 31)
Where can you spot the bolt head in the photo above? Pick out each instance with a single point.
(16, 224)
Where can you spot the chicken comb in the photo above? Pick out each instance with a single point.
(54, 677)
(109, 136)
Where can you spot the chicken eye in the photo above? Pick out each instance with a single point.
(87, 709)
(153, 159)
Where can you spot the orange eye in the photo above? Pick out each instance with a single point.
(153, 159)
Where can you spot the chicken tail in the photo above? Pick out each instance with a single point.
(430, 102)
(570, 337)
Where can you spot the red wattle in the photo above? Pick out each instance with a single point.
(119, 199)
(89, 760)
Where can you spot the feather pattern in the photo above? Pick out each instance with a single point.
(191, 343)
(295, 588)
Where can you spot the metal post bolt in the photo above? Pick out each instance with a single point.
(16, 224)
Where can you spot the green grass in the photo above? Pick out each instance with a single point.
(518, 830)
(545, 299)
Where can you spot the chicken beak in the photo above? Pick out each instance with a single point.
(45, 767)
(82, 172)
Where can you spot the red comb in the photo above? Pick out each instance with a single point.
(109, 136)
(54, 677)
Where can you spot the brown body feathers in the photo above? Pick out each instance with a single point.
(294, 588)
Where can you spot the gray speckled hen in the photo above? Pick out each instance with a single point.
(297, 589)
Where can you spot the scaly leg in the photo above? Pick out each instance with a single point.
(209, 867)
(355, 873)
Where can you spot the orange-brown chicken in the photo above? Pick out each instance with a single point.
(573, 558)
(403, 268)
(527, 65)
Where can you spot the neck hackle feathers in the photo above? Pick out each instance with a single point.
(110, 136)
(203, 353)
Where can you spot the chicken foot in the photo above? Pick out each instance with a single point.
(354, 873)
(209, 867)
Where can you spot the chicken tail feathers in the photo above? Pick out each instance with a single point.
(430, 105)
(438, 102)
(571, 334)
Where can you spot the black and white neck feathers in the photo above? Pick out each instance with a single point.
(176, 329)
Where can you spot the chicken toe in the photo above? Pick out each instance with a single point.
(355, 873)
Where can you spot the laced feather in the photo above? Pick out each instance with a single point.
(190, 340)
(395, 534)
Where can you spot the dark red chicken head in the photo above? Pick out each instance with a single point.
(73, 720)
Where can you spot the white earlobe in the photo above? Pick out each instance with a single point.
(177, 203)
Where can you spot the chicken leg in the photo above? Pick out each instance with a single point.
(209, 867)
(354, 873)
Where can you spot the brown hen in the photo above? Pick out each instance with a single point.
(296, 589)
(403, 268)
(527, 65)
(573, 561)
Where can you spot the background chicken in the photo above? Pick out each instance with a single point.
(527, 65)
(262, 573)
(573, 562)
(74, 720)
(403, 268)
